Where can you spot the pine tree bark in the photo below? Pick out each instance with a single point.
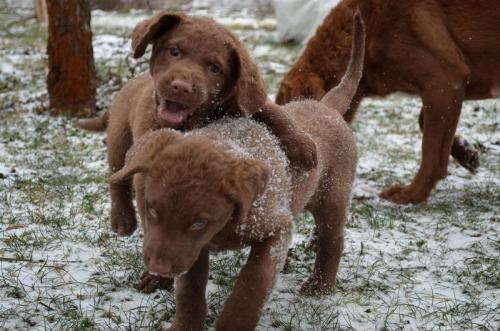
(71, 81)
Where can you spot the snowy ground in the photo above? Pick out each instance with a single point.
(430, 266)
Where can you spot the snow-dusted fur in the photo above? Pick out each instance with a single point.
(235, 174)
(183, 94)
(229, 186)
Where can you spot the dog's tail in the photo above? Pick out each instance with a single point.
(340, 97)
(97, 124)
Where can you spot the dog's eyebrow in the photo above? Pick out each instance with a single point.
(211, 58)
(177, 42)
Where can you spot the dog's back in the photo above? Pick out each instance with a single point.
(336, 148)
(247, 139)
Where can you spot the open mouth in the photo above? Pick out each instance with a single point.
(173, 113)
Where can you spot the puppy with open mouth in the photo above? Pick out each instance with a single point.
(199, 72)
(229, 186)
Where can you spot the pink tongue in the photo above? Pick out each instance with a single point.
(174, 107)
(172, 112)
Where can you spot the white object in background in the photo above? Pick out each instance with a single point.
(298, 19)
(259, 6)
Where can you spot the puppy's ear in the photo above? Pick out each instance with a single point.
(244, 182)
(146, 31)
(250, 91)
(142, 153)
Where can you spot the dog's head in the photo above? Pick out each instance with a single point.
(192, 189)
(297, 85)
(198, 66)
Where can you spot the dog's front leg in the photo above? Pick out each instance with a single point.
(441, 113)
(254, 284)
(442, 89)
(191, 305)
(123, 219)
(299, 148)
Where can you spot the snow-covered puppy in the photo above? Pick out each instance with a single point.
(228, 186)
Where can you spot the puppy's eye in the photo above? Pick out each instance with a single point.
(214, 68)
(174, 51)
(198, 224)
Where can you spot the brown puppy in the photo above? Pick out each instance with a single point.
(228, 186)
(199, 71)
(444, 51)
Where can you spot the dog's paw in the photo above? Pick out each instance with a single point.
(465, 155)
(404, 195)
(301, 151)
(317, 287)
(150, 283)
(123, 222)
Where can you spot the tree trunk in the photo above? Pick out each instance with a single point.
(71, 81)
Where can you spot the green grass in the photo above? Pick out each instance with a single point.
(429, 266)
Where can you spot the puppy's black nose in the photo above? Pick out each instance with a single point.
(181, 87)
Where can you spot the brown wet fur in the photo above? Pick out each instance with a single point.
(198, 193)
(237, 90)
(444, 51)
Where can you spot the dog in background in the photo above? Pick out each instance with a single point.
(445, 51)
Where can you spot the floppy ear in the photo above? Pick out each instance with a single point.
(250, 89)
(146, 31)
(245, 181)
(142, 153)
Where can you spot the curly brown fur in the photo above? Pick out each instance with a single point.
(228, 186)
(443, 51)
(199, 72)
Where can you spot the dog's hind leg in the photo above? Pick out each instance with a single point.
(330, 215)
(461, 150)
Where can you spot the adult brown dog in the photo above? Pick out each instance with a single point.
(199, 72)
(445, 51)
(228, 186)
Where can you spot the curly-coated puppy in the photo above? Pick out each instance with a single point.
(443, 51)
(199, 71)
(228, 186)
